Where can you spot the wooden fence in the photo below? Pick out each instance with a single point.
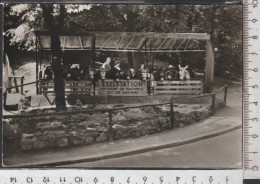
(71, 87)
(191, 87)
(15, 83)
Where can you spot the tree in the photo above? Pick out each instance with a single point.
(43, 17)
(54, 25)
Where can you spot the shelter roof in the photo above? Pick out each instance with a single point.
(127, 41)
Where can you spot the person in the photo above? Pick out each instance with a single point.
(123, 75)
(156, 74)
(48, 73)
(131, 73)
(106, 66)
(169, 72)
(117, 70)
(144, 72)
(73, 72)
(117, 65)
(45, 72)
(42, 72)
(84, 74)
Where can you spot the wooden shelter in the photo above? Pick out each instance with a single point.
(137, 42)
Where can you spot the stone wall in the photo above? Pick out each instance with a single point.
(82, 128)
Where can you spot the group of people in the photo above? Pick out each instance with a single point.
(70, 72)
(158, 74)
(172, 73)
(46, 72)
(109, 70)
(114, 71)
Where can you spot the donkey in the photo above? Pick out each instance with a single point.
(184, 74)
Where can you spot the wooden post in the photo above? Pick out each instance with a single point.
(10, 82)
(40, 88)
(94, 58)
(5, 96)
(172, 117)
(22, 84)
(225, 95)
(37, 66)
(213, 102)
(16, 85)
(209, 67)
(110, 130)
(148, 86)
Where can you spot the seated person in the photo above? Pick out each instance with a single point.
(106, 66)
(156, 74)
(42, 72)
(84, 75)
(117, 65)
(114, 73)
(123, 75)
(169, 73)
(74, 72)
(46, 73)
(117, 69)
(131, 73)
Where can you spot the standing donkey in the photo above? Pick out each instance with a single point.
(184, 74)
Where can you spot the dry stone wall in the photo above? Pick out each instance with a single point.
(83, 129)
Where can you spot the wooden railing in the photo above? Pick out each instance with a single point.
(71, 87)
(14, 78)
(189, 87)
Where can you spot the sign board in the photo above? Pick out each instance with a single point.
(122, 88)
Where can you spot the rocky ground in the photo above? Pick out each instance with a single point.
(87, 128)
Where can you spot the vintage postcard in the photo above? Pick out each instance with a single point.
(122, 86)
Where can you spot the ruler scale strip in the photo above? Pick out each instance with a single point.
(251, 94)
(65, 176)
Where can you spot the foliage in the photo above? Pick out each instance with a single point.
(224, 23)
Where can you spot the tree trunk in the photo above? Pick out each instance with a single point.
(54, 28)
(57, 70)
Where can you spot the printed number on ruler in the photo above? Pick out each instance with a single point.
(112, 180)
(76, 176)
(251, 88)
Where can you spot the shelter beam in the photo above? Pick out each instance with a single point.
(80, 41)
(198, 46)
(173, 43)
(105, 42)
(119, 43)
(162, 43)
(135, 50)
(64, 41)
(129, 43)
(187, 44)
(181, 44)
(141, 44)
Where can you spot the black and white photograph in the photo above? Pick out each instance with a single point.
(122, 86)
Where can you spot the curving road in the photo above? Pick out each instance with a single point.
(224, 151)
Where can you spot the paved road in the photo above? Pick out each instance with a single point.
(223, 151)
